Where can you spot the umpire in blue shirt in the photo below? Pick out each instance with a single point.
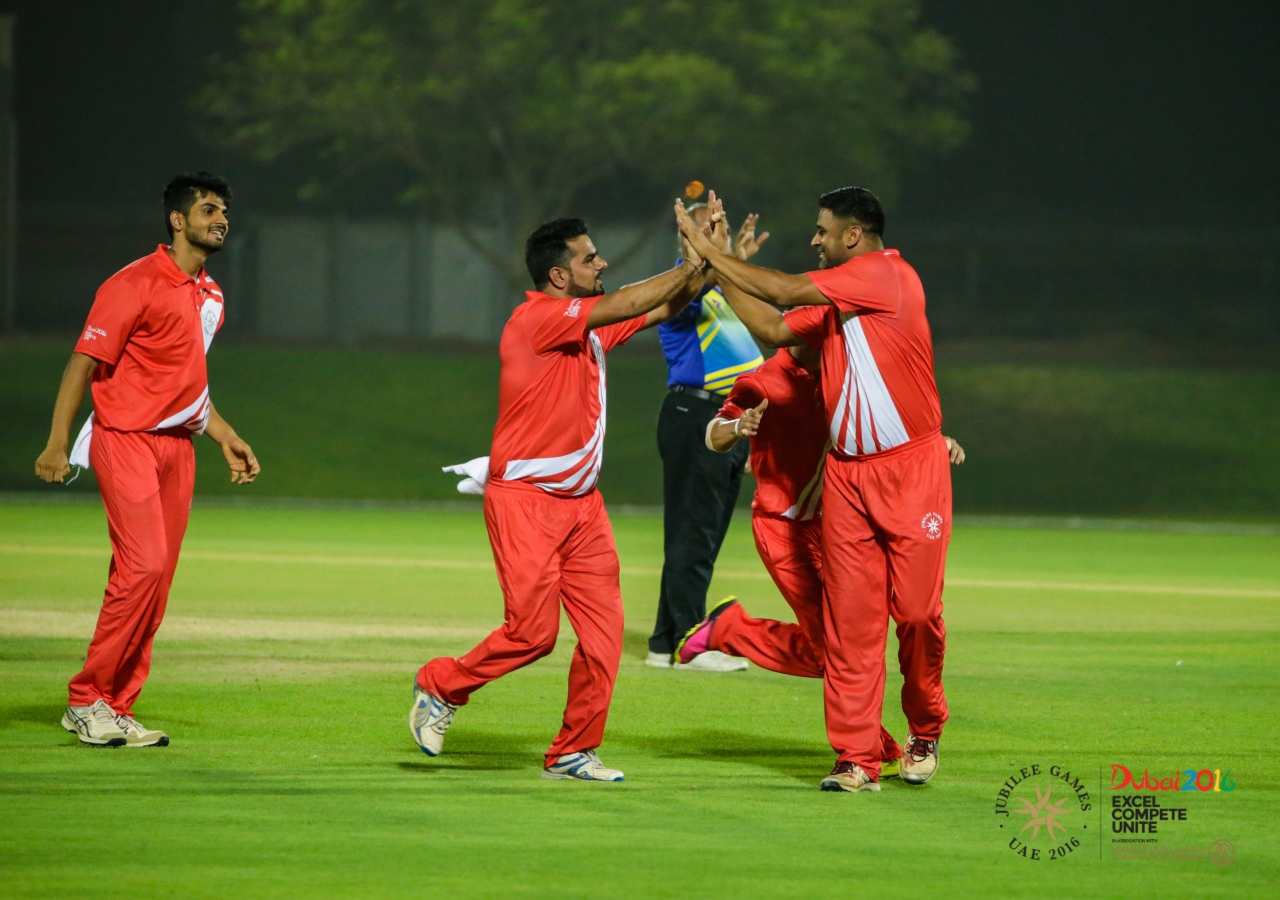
(707, 348)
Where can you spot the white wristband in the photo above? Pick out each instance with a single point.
(736, 423)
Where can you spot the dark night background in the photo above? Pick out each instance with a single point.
(1102, 260)
(1120, 127)
(1133, 113)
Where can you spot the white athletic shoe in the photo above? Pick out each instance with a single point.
(847, 776)
(136, 735)
(96, 725)
(919, 760)
(584, 766)
(658, 660)
(714, 661)
(429, 719)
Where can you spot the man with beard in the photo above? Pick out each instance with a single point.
(551, 537)
(887, 505)
(778, 408)
(144, 347)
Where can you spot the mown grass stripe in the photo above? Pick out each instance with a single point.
(476, 564)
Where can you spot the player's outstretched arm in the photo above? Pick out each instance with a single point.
(766, 324)
(672, 308)
(723, 434)
(52, 465)
(779, 288)
(244, 465)
(643, 297)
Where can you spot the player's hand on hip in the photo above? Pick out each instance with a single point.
(954, 450)
(52, 465)
(749, 424)
(244, 465)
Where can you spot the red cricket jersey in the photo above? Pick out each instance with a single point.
(788, 452)
(877, 353)
(551, 397)
(149, 328)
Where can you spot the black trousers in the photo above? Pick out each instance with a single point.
(699, 490)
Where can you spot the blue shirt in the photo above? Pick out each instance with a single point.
(707, 345)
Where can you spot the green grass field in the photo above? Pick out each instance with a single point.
(283, 674)
(1044, 437)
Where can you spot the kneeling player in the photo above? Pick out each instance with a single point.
(789, 444)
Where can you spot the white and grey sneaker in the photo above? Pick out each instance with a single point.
(714, 661)
(429, 719)
(137, 735)
(584, 766)
(658, 660)
(95, 725)
(919, 760)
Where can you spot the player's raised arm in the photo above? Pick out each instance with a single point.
(52, 464)
(661, 297)
(779, 288)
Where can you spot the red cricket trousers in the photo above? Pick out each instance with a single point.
(792, 552)
(547, 550)
(146, 480)
(886, 526)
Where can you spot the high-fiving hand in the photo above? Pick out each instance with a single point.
(694, 237)
(748, 243)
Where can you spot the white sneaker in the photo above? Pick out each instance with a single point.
(136, 735)
(584, 766)
(96, 725)
(658, 660)
(429, 719)
(714, 661)
(919, 760)
(847, 776)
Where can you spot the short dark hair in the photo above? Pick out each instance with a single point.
(548, 247)
(181, 193)
(855, 203)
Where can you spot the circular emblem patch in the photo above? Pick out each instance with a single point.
(932, 525)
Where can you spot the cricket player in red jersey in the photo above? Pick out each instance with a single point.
(779, 408)
(551, 537)
(887, 516)
(143, 347)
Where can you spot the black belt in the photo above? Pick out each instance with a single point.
(695, 392)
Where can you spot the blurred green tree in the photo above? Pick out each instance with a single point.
(531, 103)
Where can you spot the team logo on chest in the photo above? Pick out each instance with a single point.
(932, 524)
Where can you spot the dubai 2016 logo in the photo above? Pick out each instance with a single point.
(1039, 812)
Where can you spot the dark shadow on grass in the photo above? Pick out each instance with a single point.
(479, 752)
(805, 762)
(49, 714)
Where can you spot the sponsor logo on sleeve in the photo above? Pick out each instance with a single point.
(92, 334)
(575, 307)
